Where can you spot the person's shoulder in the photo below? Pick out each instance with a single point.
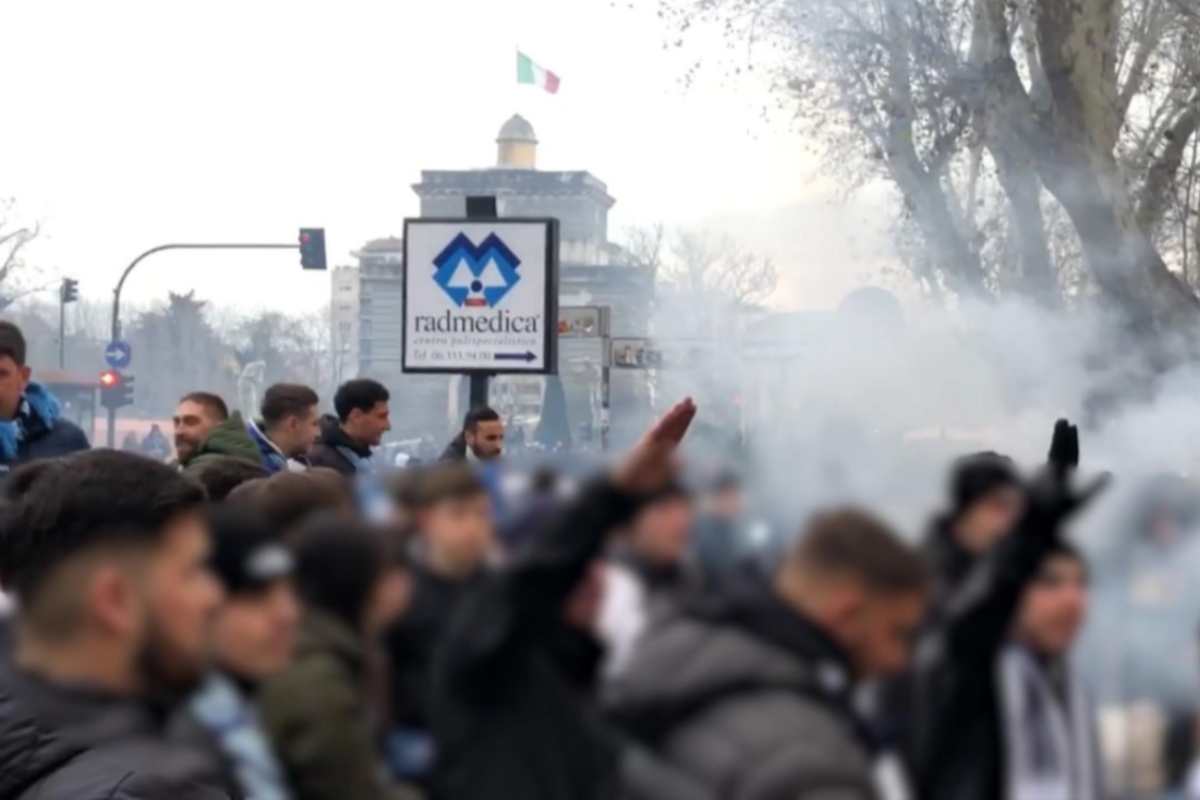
(137, 769)
(63, 438)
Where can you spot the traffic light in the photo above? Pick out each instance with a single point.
(69, 291)
(116, 390)
(312, 248)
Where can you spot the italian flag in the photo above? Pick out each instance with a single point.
(531, 73)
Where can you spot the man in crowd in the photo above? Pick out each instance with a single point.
(757, 690)
(205, 431)
(253, 639)
(155, 444)
(107, 554)
(985, 498)
(319, 710)
(288, 428)
(456, 538)
(966, 730)
(31, 421)
(481, 438)
(514, 712)
(648, 575)
(362, 419)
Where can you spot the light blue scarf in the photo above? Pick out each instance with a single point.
(39, 410)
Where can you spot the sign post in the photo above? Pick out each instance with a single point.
(480, 298)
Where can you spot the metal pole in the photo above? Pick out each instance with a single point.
(116, 309)
(605, 404)
(62, 330)
(480, 208)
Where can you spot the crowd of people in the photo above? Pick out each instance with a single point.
(266, 613)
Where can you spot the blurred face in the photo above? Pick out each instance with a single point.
(181, 599)
(662, 530)
(13, 380)
(486, 440)
(1054, 607)
(990, 519)
(388, 600)
(255, 632)
(368, 427)
(460, 532)
(193, 422)
(881, 631)
(297, 433)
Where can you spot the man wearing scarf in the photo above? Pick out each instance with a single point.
(31, 423)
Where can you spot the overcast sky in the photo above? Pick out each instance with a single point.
(129, 124)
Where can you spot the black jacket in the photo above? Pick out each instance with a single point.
(412, 640)
(456, 450)
(325, 453)
(751, 698)
(956, 750)
(59, 742)
(513, 712)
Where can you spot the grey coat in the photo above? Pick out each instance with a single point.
(754, 702)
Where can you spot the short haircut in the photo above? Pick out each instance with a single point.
(222, 474)
(12, 342)
(449, 481)
(852, 542)
(362, 394)
(57, 509)
(287, 499)
(338, 563)
(212, 402)
(285, 400)
(478, 415)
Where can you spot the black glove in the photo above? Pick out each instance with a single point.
(1052, 499)
(1064, 448)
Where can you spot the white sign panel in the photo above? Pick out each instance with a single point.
(480, 295)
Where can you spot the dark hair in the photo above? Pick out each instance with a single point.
(978, 474)
(362, 394)
(450, 481)
(220, 475)
(478, 415)
(57, 508)
(850, 541)
(338, 563)
(212, 402)
(287, 499)
(285, 400)
(12, 342)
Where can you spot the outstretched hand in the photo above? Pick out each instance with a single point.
(1052, 496)
(651, 462)
(1064, 447)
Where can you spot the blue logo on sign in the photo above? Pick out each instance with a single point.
(476, 276)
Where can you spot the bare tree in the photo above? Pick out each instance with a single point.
(717, 271)
(14, 240)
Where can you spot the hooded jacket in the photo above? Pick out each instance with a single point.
(67, 742)
(227, 440)
(40, 431)
(336, 450)
(752, 699)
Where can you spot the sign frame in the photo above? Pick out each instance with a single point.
(550, 303)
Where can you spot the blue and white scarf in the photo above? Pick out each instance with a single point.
(39, 410)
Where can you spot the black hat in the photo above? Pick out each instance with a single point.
(979, 474)
(246, 554)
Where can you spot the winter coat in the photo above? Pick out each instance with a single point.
(317, 716)
(72, 742)
(513, 710)
(39, 431)
(636, 593)
(227, 440)
(956, 750)
(456, 450)
(336, 450)
(223, 720)
(750, 698)
(273, 459)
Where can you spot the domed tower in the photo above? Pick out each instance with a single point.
(516, 144)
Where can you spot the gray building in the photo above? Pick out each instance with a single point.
(593, 271)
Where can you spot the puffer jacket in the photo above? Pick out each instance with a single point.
(750, 698)
(227, 440)
(70, 742)
(337, 451)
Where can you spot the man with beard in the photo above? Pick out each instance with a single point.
(195, 418)
(107, 554)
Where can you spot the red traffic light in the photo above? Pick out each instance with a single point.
(110, 378)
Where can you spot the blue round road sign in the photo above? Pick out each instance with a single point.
(118, 354)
